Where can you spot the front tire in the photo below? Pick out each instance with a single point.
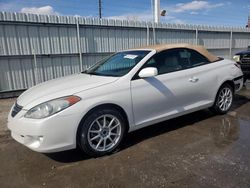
(224, 99)
(101, 132)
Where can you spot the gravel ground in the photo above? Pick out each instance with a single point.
(5, 105)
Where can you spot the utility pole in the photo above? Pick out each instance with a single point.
(248, 22)
(156, 11)
(100, 9)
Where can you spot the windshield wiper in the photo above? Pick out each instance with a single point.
(93, 73)
(99, 74)
(90, 73)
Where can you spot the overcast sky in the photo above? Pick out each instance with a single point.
(212, 12)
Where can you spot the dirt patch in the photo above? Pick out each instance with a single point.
(5, 105)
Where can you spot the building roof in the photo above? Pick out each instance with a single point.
(200, 49)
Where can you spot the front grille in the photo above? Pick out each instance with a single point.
(245, 67)
(245, 60)
(16, 109)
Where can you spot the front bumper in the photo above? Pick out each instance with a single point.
(52, 134)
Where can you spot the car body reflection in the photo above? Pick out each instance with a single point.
(226, 132)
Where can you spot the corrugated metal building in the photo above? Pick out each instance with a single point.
(36, 48)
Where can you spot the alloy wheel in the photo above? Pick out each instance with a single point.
(104, 133)
(225, 99)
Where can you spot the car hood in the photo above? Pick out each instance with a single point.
(61, 87)
(243, 52)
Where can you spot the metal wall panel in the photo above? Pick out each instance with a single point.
(36, 48)
(241, 40)
(214, 40)
(21, 73)
(175, 36)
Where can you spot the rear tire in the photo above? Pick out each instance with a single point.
(223, 100)
(101, 132)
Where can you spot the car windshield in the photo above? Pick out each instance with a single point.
(118, 64)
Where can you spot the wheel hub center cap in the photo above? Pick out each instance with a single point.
(104, 132)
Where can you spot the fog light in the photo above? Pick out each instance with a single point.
(34, 141)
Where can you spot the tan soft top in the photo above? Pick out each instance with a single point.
(200, 49)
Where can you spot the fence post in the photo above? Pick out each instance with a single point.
(196, 36)
(35, 67)
(154, 38)
(231, 43)
(147, 34)
(79, 44)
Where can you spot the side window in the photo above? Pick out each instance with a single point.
(175, 60)
(185, 58)
(151, 63)
(196, 59)
(165, 62)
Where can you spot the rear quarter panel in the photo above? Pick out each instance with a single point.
(225, 70)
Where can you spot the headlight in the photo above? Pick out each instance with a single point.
(51, 107)
(236, 58)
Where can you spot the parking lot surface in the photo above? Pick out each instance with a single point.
(195, 150)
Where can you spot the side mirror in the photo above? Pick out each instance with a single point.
(148, 72)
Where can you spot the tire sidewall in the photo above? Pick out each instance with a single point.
(216, 107)
(84, 128)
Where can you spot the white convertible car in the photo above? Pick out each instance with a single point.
(131, 89)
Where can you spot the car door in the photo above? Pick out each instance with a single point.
(156, 97)
(202, 79)
(175, 90)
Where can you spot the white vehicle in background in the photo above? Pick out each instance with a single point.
(127, 91)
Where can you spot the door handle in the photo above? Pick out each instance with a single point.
(193, 79)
